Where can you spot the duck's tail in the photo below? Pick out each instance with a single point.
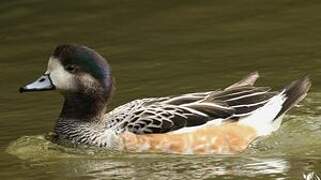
(294, 93)
(269, 117)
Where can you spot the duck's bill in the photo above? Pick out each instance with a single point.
(43, 83)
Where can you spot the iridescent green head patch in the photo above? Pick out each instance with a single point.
(85, 59)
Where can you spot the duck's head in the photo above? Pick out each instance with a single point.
(74, 69)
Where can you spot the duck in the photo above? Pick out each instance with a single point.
(223, 121)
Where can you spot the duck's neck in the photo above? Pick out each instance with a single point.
(85, 107)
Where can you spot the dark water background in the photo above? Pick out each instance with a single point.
(159, 48)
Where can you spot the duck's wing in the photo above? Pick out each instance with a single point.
(162, 115)
(166, 117)
(167, 114)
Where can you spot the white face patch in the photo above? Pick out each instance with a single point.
(65, 80)
(61, 78)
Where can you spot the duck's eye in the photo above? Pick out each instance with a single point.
(71, 68)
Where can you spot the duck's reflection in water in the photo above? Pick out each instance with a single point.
(172, 167)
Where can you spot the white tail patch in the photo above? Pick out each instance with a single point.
(263, 119)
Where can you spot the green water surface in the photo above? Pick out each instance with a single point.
(159, 48)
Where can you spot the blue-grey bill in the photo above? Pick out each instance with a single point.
(43, 83)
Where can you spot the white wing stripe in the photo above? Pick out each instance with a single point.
(244, 114)
(207, 104)
(185, 96)
(236, 93)
(194, 111)
(245, 96)
(250, 105)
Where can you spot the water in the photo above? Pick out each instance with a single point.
(160, 48)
